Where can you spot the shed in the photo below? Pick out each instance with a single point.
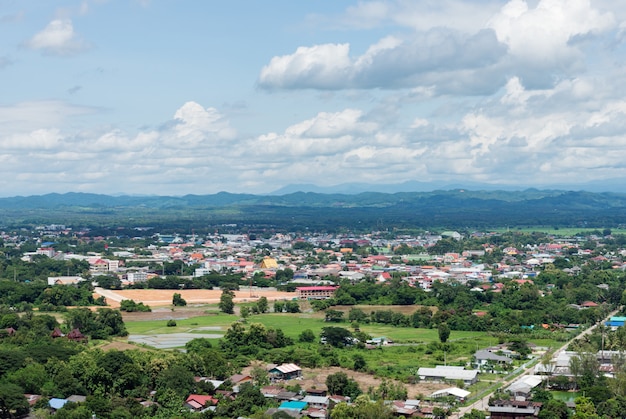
(286, 372)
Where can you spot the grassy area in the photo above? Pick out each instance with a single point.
(223, 321)
(566, 396)
(560, 231)
(293, 324)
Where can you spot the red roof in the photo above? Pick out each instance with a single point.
(201, 399)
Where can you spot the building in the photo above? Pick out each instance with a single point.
(484, 357)
(445, 373)
(514, 409)
(64, 280)
(458, 393)
(136, 277)
(316, 293)
(285, 372)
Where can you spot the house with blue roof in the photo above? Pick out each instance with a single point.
(293, 405)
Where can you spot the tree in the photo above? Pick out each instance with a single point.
(307, 335)
(340, 384)
(332, 315)
(444, 332)
(359, 362)
(178, 300)
(336, 336)
(226, 304)
(12, 401)
(475, 414)
(198, 345)
(262, 305)
(584, 409)
(244, 312)
(554, 409)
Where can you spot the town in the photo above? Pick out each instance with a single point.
(435, 324)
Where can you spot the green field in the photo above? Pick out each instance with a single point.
(146, 327)
(560, 231)
(292, 325)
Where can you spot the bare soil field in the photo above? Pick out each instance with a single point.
(316, 377)
(157, 298)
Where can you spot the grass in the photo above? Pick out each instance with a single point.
(293, 324)
(560, 231)
(223, 321)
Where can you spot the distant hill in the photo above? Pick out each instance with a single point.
(452, 208)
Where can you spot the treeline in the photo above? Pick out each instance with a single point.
(24, 296)
(229, 281)
(514, 308)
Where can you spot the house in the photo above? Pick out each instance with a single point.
(199, 402)
(290, 412)
(317, 402)
(296, 405)
(270, 392)
(287, 396)
(458, 393)
(240, 379)
(76, 336)
(405, 408)
(56, 333)
(522, 388)
(448, 373)
(76, 398)
(56, 404)
(285, 372)
(64, 280)
(484, 357)
(514, 409)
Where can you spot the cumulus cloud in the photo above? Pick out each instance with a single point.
(543, 40)
(58, 38)
(540, 45)
(424, 60)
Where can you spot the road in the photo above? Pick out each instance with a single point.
(483, 402)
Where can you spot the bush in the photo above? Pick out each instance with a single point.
(178, 300)
(171, 323)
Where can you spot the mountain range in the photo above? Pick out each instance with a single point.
(453, 208)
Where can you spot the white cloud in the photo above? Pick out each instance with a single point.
(433, 58)
(458, 14)
(58, 38)
(540, 45)
(195, 124)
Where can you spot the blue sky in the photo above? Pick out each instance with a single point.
(161, 97)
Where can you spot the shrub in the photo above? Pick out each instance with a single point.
(171, 323)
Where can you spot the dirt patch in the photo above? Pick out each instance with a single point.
(316, 377)
(164, 297)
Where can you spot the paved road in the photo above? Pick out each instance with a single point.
(482, 403)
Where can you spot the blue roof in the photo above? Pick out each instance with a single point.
(57, 403)
(292, 405)
(614, 323)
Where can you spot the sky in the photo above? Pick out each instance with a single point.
(247, 96)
